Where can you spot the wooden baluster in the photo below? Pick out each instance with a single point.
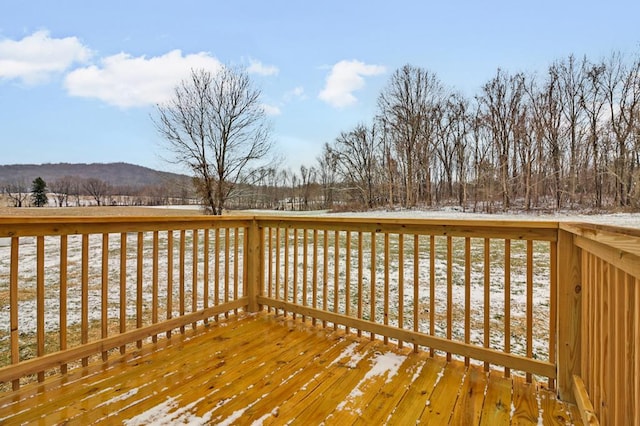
(347, 288)
(400, 285)
(295, 269)
(84, 322)
(385, 308)
(205, 271)
(286, 268)
(169, 277)
(314, 290)
(123, 286)
(236, 266)
(270, 273)
(449, 290)
(277, 271)
(13, 306)
(507, 301)
(416, 286)
(305, 273)
(635, 285)
(104, 304)
(529, 313)
(360, 278)
(216, 290)
(432, 289)
(553, 305)
(183, 255)
(64, 244)
(487, 296)
(40, 300)
(372, 283)
(336, 273)
(194, 273)
(154, 283)
(325, 272)
(467, 294)
(139, 277)
(227, 249)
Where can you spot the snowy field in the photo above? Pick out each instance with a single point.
(629, 220)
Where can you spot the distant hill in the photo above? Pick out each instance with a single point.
(116, 174)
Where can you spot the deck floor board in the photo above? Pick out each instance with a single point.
(273, 370)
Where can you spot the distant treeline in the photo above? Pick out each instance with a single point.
(76, 191)
(566, 138)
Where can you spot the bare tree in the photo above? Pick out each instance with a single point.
(217, 127)
(357, 155)
(548, 112)
(407, 109)
(501, 101)
(17, 191)
(622, 88)
(572, 80)
(61, 189)
(308, 177)
(593, 101)
(327, 163)
(96, 188)
(458, 126)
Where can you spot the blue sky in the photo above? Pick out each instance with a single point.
(79, 79)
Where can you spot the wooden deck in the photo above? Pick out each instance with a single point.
(261, 369)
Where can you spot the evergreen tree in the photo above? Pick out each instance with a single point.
(39, 192)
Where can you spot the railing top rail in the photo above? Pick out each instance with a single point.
(509, 223)
(621, 238)
(14, 226)
(512, 229)
(585, 227)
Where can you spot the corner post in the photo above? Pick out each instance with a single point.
(569, 296)
(254, 261)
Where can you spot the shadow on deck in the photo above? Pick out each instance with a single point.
(261, 369)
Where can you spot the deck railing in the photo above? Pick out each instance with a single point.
(76, 288)
(559, 301)
(462, 288)
(604, 265)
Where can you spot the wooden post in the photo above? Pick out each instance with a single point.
(569, 294)
(254, 256)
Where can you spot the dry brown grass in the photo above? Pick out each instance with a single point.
(98, 211)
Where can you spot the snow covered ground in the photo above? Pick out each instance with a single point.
(629, 220)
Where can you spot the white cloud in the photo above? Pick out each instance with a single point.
(126, 81)
(295, 93)
(257, 67)
(36, 57)
(345, 78)
(271, 109)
